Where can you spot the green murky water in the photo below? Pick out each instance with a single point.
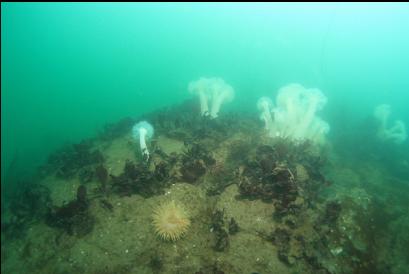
(326, 158)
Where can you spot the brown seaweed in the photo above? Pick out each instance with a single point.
(73, 217)
(74, 159)
(138, 179)
(28, 204)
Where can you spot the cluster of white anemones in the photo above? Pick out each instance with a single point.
(395, 133)
(214, 89)
(294, 115)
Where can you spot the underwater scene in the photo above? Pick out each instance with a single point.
(204, 138)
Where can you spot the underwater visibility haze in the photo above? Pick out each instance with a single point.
(204, 138)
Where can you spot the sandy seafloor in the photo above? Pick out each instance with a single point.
(124, 241)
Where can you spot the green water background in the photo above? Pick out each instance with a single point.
(70, 68)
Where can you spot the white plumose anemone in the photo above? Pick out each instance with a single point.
(201, 89)
(221, 93)
(142, 131)
(396, 133)
(214, 89)
(295, 114)
(264, 104)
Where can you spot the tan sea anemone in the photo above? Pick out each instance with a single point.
(171, 221)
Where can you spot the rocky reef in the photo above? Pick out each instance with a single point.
(256, 203)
